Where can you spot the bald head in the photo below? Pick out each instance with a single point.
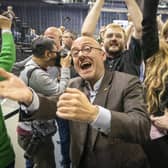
(55, 34)
(88, 58)
(85, 40)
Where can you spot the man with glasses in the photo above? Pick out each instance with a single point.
(67, 39)
(106, 109)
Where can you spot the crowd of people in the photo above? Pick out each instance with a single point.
(89, 103)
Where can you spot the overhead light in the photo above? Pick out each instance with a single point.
(53, 1)
(163, 4)
(57, 1)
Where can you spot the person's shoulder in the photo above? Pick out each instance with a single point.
(122, 76)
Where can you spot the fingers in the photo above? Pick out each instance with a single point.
(153, 118)
(5, 74)
(68, 115)
(66, 103)
(4, 17)
(73, 91)
(71, 94)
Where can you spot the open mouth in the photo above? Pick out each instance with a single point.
(114, 45)
(85, 65)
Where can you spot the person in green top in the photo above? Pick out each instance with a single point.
(7, 58)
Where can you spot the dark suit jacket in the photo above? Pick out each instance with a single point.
(122, 94)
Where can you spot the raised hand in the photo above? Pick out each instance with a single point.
(5, 23)
(74, 105)
(14, 88)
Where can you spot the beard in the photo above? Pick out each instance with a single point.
(113, 53)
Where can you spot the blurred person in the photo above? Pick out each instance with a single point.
(9, 13)
(156, 84)
(7, 58)
(55, 34)
(104, 133)
(62, 29)
(156, 87)
(100, 37)
(51, 32)
(33, 34)
(67, 39)
(35, 76)
(54, 71)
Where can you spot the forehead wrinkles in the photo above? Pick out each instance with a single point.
(83, 41)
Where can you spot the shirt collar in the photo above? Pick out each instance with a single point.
(96, 85)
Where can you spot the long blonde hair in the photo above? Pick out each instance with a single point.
(156, 76)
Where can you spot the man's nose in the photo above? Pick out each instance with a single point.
(81, 55)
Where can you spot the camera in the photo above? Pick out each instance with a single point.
(63, 53)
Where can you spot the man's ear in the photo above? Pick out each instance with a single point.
(104, 55)
(47, 54)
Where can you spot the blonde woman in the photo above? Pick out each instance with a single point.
(156, 84)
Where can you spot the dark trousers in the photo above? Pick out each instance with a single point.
(157, 152)
(11, 165)
(29, 163)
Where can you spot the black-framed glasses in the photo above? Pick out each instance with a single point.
(85, 50)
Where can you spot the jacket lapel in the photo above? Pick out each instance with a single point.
(101, 98)
(83, 127)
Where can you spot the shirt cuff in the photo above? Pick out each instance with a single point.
(103, 120)
(6, 31)
(34, 104)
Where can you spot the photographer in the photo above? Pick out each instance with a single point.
(38, 138)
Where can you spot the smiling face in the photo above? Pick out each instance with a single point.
(114, 40)
(88, 58)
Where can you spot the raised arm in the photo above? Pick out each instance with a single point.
(89, 25)
(8, 53)
(150, 39)
(136, 17)
(14, 88)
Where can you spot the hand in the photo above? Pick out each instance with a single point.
(161, 121)
(66, 61)
(14, 88)
(74, 105)
(5, 23)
